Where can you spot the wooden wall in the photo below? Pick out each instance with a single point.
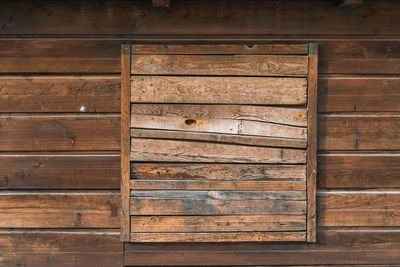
(59, 174)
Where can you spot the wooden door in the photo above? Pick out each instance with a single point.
(218, 143)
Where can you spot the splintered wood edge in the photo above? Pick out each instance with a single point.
(125, 141)
(312, 142)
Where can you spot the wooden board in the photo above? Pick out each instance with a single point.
(241, 90)
(252, 65)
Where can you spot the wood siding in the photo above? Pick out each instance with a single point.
(57, 56)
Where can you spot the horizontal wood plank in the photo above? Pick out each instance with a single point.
(198, 171)
(184, 151)
(262, 49)
(230, 119)
(59, 209)
(59, 171)
(59, 94)
(296, 185)
(59, 132)
(218, 237)
(63, 248)
(214, 90)
(247, 223)
(358, 132)
(252, 65)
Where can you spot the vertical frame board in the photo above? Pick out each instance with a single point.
(312, 142)
(125, 140)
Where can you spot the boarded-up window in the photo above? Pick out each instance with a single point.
(218, 143)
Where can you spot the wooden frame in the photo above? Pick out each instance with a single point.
(311, 163)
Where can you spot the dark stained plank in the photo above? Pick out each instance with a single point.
(125, 140)
(223, 172)
(296, 185)
(184, 151)
(249, 223)
(358, 94)
(226, 119)
(218, 237)
(294, 19)
(70, 209)
(220, 138)
(59, 171)
(268, 49)
(333, 247)
(359, 208)
(359, 132)
(59, 132)
(63, 248)
(59, 94)
(361, 170)
(253, 65)
(215, 90)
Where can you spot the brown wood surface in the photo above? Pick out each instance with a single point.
(209, 49)
(238, 120)
(60, 170)
(59, 132)
(59, 94)
(198, 171)
(252, 65)
(76, 209)
(249, 223)
(218, 237)
(185, 151)
(259, 91)
(353, 170)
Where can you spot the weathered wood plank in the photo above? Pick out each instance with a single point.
(59, 171)
(59, 209)
(333, 247)
(215, 90)
(246, 223)
(359, 132)
(62, 248)
(359, 208)
(242, 172)
(209, 49)
(296, 185)
(253, 65)
(59, 94)
(184, 151)
(220, 138)
(226, 119)
(59, 132)
(218, 237)
(361, 170)
(358, 94)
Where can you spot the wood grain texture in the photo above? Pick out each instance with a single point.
(359, 208)
(59, 171)
(253, 65)
(209, 49)
(59, 132)
(218, 237)
(59, 94)
(184, 151)
(215, 90)
(358, 94)
(125, 140)
(64, 248)
(78, 209)
(359, 170)
(333, 247)
(223, 172)
(246, 223)
(225, 119)
(359, 132)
